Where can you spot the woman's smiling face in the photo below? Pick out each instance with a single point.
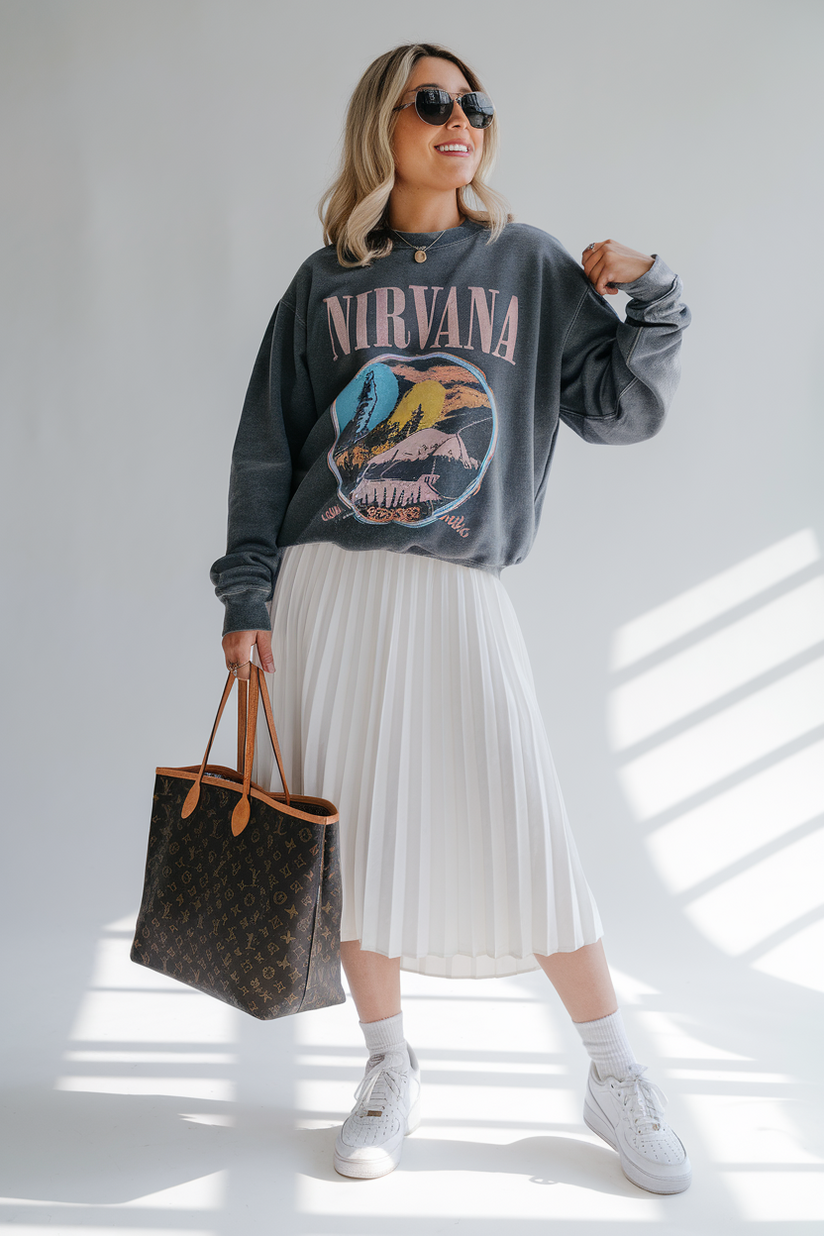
(438, 158)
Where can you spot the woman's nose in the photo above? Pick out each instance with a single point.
(457, 117)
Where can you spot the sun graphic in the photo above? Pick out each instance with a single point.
(425, 397)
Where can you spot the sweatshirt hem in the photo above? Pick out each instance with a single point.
(471, 564)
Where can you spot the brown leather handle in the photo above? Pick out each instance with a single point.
(194, 793)
(270, 725)
(247, 727)
(273, 734)
(240, 815)
(242, 701)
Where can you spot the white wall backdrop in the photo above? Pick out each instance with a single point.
(159, 171)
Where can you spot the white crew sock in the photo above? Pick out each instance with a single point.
(384, 1037)
(608, 1046)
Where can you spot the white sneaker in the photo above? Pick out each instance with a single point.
(627, 1112)
(387, 1107)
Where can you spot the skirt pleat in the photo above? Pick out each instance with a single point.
(403, 693)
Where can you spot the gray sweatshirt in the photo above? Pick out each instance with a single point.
(414, 406)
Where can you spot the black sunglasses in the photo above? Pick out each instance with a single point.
(435, 107)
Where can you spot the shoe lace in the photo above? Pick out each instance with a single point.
(642, 1100)
(380, 1086)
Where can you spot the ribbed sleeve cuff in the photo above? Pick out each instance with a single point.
(654, 283)
(246, 611)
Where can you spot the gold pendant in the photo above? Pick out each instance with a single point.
(420, 255)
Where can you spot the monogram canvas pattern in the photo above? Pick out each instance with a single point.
(254, 919)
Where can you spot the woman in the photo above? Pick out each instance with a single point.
(392, 457)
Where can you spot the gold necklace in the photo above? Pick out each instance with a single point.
(420, 250)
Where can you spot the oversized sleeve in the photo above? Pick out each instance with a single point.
(278, 414)
(618, 378)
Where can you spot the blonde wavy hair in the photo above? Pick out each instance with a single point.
(353, 209)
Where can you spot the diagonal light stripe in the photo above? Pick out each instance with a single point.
(723, 744)
(684, 613)
(727, 660)
(727, 828)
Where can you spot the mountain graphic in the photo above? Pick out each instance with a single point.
(425, 444)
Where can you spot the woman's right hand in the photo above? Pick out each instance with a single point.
(237, 649)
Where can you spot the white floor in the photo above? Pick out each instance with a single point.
(163, 1111)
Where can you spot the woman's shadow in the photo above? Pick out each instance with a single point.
(109, 1149)
(543, 1160)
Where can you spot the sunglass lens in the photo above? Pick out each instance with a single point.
(478, 109)
(433, 106)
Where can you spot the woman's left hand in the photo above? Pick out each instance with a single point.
(608, 262)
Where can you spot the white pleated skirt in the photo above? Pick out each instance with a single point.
(403, 693)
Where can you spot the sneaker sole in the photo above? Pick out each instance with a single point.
(645, 1180)
(373, 1169)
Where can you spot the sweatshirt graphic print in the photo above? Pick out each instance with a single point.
(414, 437)
(388, 414)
